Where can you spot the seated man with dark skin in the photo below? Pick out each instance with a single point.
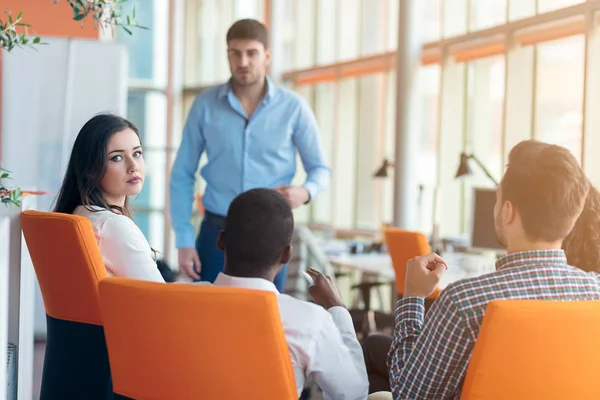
(321, 338)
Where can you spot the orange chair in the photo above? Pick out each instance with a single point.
(181, 341)
(69, 266)
(531, 349)
(402, 246)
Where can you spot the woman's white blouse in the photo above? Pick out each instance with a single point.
(124, 249)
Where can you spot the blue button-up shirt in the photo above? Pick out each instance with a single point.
(243, 153)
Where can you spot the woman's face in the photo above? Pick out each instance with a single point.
(125, 168)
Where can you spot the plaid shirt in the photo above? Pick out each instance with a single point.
(429, 356)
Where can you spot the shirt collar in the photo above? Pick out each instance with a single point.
(271, 88)
(531, 258)
(245, 283)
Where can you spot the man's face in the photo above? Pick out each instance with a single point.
(248, 61)
(499, 218)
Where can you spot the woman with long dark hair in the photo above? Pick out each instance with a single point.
(106, 167)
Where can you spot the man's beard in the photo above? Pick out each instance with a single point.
(249, 81)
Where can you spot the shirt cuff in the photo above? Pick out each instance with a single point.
(312, 189)
(410, 312)
(342, 319)
(185, 239)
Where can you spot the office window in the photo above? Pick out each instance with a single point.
(325, 113)
(519, 9)
(373, 39)
(432, 24)
(345, 155)
(519, 102)
(485, 98)
(449, 211)
(591, 161)
(348, 39)
(371, 120)
(302, 214)
(455, 18)
(393, 10)
(389, 149)
(327, 22)
(487, 13)
(304, 35)
(559, 101)
(427, 168)
(148, 48)
(551, 5)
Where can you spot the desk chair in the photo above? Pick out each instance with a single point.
(531, 349)
(402, 246)
(68, 266)
(182, 341)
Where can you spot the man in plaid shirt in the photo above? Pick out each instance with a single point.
(538, 201)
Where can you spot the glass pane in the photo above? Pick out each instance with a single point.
(550, 5)
(147, 110)
(209, 37)
(455, 18)
(393, 12)
(344, 179)
(371, 116)
(152, 195)
(487, 13)
(287, 36)
(432, 21)
(373, 30)
(519, 9)
(327, 14)
(429, 90)
(591, 161)
(148, 49)
(325, 113)
(387, 185)
(559, 101)
(248, 9)
(348, 36)
(519, 101)
(449, 196)
(302, 214)
(305, 34)
(484, 130)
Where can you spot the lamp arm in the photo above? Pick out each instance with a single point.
(484, 169)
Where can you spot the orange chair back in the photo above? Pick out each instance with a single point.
(67, 263)
(402, 246)
(175, 341)
(69, 266)
(532, 349)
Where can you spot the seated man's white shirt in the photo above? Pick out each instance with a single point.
(124, 249)
(322, 343)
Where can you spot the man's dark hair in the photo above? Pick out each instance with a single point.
(547, 186)
(259, 227)
(249, 29)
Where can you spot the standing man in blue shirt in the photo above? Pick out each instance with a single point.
(250, 129)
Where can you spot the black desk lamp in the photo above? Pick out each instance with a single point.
(465, 169)
(382, 172)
